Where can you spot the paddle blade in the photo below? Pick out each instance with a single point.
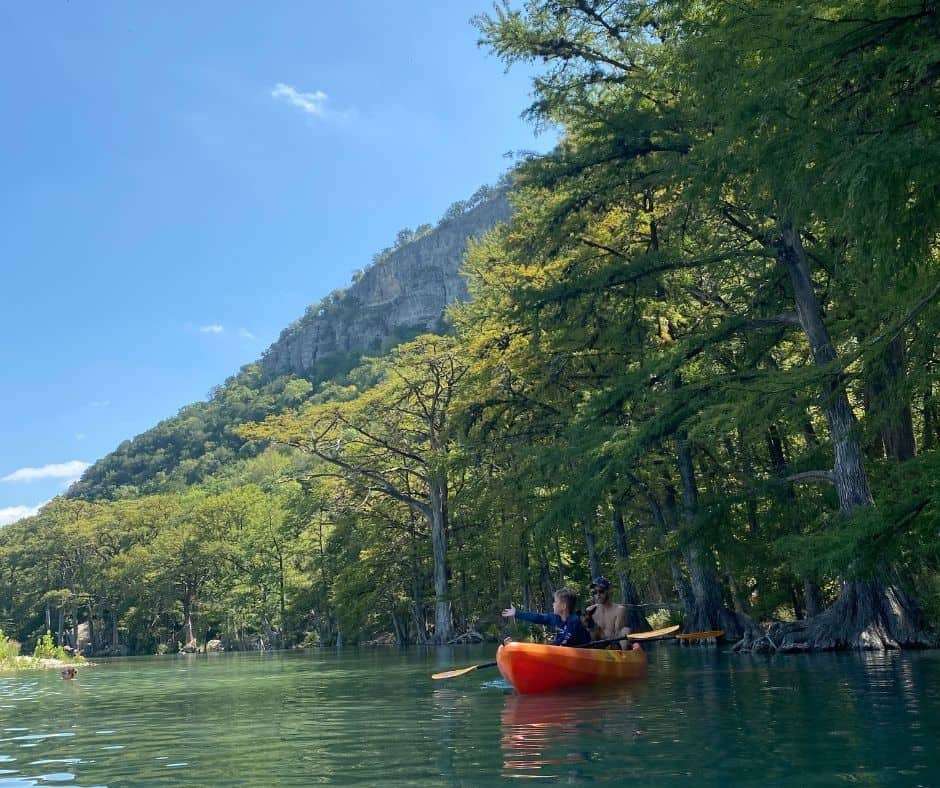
(712, 633)
(655, 634)
(453, 674)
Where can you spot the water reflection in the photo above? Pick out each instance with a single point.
(549, 736)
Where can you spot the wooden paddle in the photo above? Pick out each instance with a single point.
(655, 634)
(712, 633)
(452, 674)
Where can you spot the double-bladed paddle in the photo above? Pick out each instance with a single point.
(655, 634)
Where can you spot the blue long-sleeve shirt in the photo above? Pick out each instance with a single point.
(571, 631)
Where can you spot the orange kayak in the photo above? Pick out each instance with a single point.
(535, 667)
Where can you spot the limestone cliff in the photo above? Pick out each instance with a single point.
(405, 291)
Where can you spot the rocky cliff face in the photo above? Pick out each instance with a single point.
(406, 291)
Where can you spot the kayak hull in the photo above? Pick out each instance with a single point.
(535, 667)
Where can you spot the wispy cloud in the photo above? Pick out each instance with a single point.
(10, 514)
(70, 471)
(80, 436)
(212, 328)
(310, 103)
(100, 403)
(244, 333)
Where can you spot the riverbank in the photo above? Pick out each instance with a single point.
(19, 663)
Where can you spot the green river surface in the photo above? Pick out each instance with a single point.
(702, 718)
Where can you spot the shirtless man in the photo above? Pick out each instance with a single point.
(609, 618)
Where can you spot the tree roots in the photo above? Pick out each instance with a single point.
(868, 615)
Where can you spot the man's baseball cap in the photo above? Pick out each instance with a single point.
(600, 583)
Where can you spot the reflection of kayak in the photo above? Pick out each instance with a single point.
(534, 667)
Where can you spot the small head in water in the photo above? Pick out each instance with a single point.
(69, 673)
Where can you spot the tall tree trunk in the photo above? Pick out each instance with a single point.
(545, 581)
(887, 404)
(851, 480)
(281, 597)
(710, 612)
(931, 433)
(812, 598)
(628, 594)
(870, 612)
(591, 542)
(401, 631)
(683, 589)
(741, 606)
(443, 617)
(898, 432)
(92, 636)
(744, 464)
(524, 561)
(702, 572)
(810, 604)
(796, 595)
(417, 583)
(664, 515)
(188, 630)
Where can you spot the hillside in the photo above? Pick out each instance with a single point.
(402, 293)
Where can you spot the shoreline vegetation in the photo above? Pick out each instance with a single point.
(701, 359)
(22, 663)
(47, 656)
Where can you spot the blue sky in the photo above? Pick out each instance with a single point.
(181, 180)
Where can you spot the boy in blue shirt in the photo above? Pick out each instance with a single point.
(570, 630)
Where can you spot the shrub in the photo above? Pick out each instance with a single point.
(9, 649)
(47, 649)
(663, 617)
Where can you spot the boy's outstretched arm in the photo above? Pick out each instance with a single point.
(546, 619)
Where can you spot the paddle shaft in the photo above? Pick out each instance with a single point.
(607, 642)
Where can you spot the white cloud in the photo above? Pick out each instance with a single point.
(100, 403)
(244, 333)
(69, 471)
(80, 436)
(310, 103)
(10, 514)
(212, 328)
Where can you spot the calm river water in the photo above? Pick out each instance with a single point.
(702, 718)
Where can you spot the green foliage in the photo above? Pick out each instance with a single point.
(9, 649)
(46, 648)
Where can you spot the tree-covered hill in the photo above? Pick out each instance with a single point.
(404, 291)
